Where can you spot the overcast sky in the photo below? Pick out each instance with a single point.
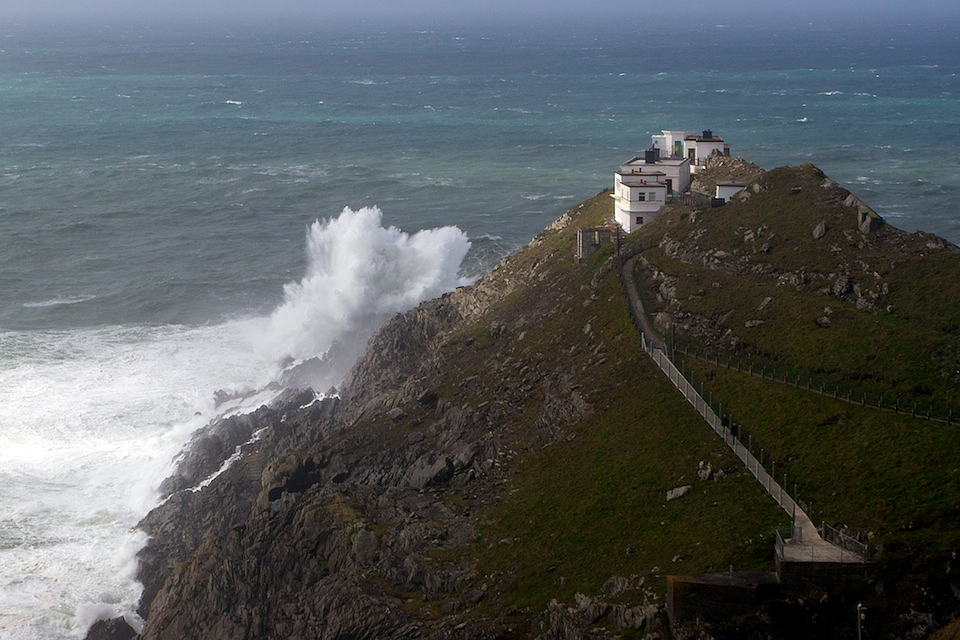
(636, 10)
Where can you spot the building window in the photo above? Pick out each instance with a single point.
(641, 196)
(639, 219)
(652, 196)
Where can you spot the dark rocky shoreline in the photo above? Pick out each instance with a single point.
(279, 544)
(362, 515)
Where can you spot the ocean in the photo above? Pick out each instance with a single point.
(184, 209)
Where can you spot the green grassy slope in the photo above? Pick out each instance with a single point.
(589, 502)
(890, 336)
(906, 346)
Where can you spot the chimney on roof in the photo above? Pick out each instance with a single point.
(707, 133)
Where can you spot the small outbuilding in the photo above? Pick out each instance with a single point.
(698, 148)
(726, 190)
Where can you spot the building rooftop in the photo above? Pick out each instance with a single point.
(665, 160)
(707, 136)
(653, 177)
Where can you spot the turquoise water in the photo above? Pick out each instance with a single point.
(159, 188)
(151, 177)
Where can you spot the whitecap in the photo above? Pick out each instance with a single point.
(56, 302)
(233, 102)
(89, 422)
(488, 237)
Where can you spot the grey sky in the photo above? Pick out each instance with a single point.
(637, 11)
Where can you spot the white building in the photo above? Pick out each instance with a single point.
(697, 148)
(637, 198)
(670, 142)
(676, 170)
(644, 184)
(726, 190)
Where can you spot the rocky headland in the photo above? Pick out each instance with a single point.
(500, 461)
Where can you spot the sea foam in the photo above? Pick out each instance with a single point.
(91, 420)
(359, 273)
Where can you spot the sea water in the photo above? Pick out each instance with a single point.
(184, 209)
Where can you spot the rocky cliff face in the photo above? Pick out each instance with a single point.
(819, 239)
(334, 522)
(496, 463)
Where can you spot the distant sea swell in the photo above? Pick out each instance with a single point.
(160, 195)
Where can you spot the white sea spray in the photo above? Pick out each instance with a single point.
(359, 273)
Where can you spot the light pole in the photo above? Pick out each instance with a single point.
(860, 618)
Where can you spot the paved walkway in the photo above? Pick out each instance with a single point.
(805, 543)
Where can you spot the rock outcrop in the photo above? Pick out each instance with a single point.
(331, 519)
(721, 168)
(814, 235)
(369, 514)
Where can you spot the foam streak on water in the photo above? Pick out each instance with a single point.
(90, 420)
(155, 184)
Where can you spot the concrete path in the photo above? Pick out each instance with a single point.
(805, 543)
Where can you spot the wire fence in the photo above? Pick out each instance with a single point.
(842, 540)
(782, 486)
(776, 481)
(824, 386)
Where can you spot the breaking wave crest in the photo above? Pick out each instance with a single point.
(359, 273)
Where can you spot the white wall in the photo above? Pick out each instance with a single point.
(628, 205)
(666, 140)
(702, 150)
(727, 191)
